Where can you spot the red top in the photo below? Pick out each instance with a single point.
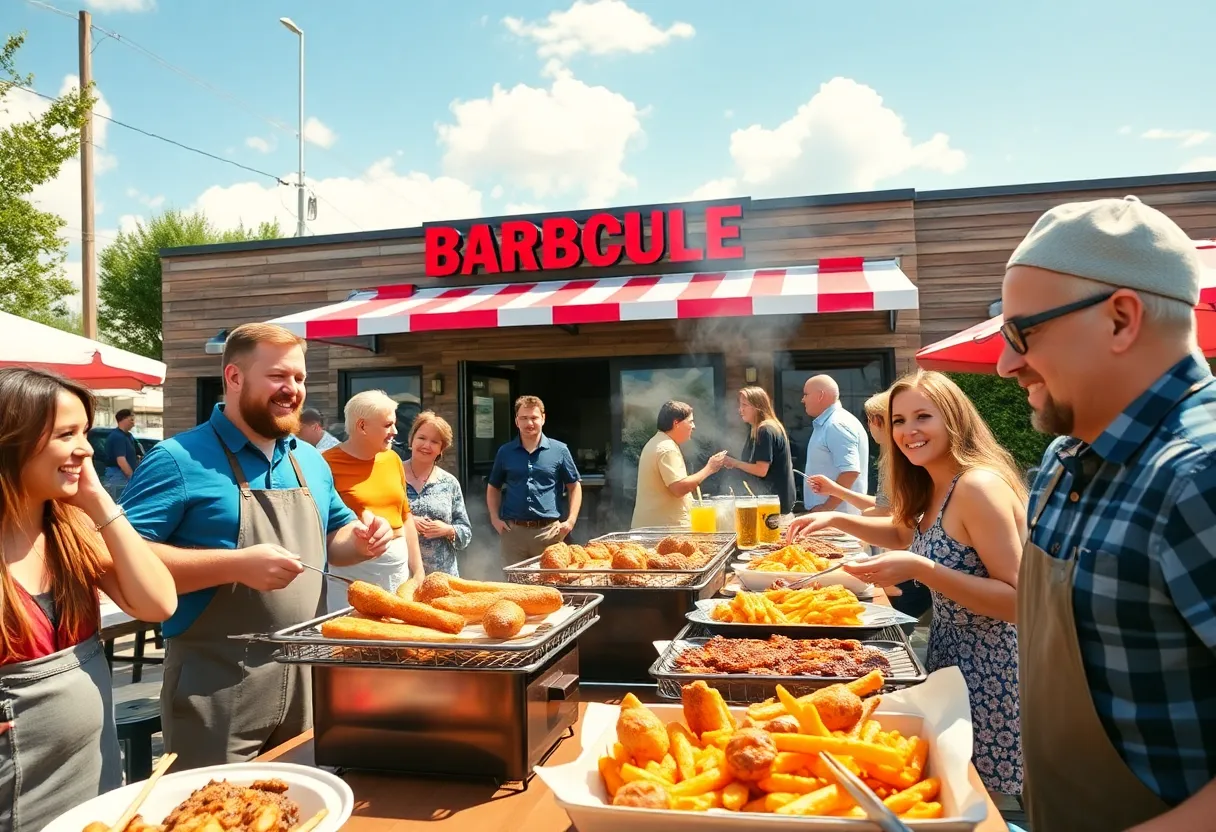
(46, 639)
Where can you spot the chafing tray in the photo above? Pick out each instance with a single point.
(530, 571)
(304, 644)
(618, 650)
(453, 709)
(745, 688)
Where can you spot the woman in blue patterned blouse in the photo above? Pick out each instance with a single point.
(435, 498)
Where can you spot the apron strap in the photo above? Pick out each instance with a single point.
(296, 466)
(241, 480)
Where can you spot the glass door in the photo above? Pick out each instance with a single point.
(487, 401)
(859, 374)
(640, 386)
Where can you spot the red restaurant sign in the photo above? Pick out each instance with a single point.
(564, 243)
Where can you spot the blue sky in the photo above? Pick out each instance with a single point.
(437, 110)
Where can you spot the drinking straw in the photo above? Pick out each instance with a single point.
(749, 489)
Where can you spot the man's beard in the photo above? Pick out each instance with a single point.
(264, 422)
(1054, 418)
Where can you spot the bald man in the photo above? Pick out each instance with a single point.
(837, 449)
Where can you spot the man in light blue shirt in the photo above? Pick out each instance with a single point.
(838, 448)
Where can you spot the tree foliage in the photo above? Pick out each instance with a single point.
(129, 285)
(1003, 405)
(31, 153)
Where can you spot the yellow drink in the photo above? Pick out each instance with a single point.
(768, 511)
(745, 523)
(703, 517)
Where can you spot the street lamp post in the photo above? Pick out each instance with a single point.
(286, 21)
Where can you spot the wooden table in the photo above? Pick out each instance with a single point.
(397, 803)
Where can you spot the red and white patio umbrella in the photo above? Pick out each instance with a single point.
(25, 343)
(976, 350)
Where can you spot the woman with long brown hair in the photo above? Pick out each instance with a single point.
(765, 458)
(62, 538)
(957, 525)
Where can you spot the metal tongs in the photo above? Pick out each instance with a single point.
(346, 581)
(809, 579)
(869, 802)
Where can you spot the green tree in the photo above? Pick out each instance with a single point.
(31, 153)
(129, 286)
(1003, 405)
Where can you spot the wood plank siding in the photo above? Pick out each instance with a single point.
(953, 246)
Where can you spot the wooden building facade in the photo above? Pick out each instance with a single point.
(602, 381)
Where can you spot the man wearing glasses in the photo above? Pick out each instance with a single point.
(1117, 588)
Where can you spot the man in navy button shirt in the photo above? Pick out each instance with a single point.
(531, 467)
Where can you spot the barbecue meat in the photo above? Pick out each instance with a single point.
(260, 807)
(782, 656)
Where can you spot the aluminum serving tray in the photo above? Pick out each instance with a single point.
(530, 572)
(304, 644)
(746, 688)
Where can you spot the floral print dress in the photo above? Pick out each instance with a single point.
(441, 499)
(986, 651)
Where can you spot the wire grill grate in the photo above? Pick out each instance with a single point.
(530, 572)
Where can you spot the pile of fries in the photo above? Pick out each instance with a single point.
(767, 762)
(792, 558)
(831, 605)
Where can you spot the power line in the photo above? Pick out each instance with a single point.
(174, 142)
(342, 214)
(51, 8)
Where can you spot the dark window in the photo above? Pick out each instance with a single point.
(403, 385)
(210, 392)
(859, 374)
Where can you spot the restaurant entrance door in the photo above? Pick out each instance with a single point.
(487, 396)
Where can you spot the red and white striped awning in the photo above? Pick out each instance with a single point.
(837, 285)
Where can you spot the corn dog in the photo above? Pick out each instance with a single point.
(474, 605)
(408, 589)
(370, 599)
(464, 585)
(434, 585)
(366, 629)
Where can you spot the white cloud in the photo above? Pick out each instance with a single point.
(1199, 164)
(843, 139)
(121, 5)
(152, 202)
(524, 208)
(380, 198)
(261, 145)
(1186, 138)
(569, 139)
(1125, 130)
(602, 27)
(717, 189)
(316, 132)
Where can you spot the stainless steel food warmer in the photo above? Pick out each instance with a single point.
(477, 709)
(621, 648)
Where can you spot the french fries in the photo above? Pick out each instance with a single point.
(718, 768)
(792, 558)
(831, 605)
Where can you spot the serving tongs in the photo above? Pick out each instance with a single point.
(869, 802)
(809, 579)
(346, 581)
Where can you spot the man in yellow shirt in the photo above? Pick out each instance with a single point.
(664, 484)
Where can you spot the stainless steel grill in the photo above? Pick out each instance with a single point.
(906, 670)
(304, 644)
(530, 571)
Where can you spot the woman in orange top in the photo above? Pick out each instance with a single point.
(62, 538)
(369, 475)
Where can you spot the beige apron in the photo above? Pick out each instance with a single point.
(63, 747)
(226, 701)
(1075, 780)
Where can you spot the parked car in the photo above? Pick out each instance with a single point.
(99, 437)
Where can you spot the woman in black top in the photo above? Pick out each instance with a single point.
(765, 458)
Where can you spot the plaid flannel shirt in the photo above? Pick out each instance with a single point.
(1138, 510)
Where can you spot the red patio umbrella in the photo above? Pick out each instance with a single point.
(976, 350)
(25, 343)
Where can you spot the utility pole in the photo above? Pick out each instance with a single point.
(88, 265)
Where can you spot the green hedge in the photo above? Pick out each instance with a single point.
(1003, 405)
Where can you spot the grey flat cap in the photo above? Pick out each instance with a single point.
(1122, 242)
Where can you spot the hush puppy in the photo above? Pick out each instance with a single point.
(642, 794)
(643, 735)
(750, 754)
(838, 707)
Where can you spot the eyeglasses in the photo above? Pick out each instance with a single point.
(1015, 330)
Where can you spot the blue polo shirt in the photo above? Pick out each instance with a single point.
(532, 479)
(184, 494)
(838, 443)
